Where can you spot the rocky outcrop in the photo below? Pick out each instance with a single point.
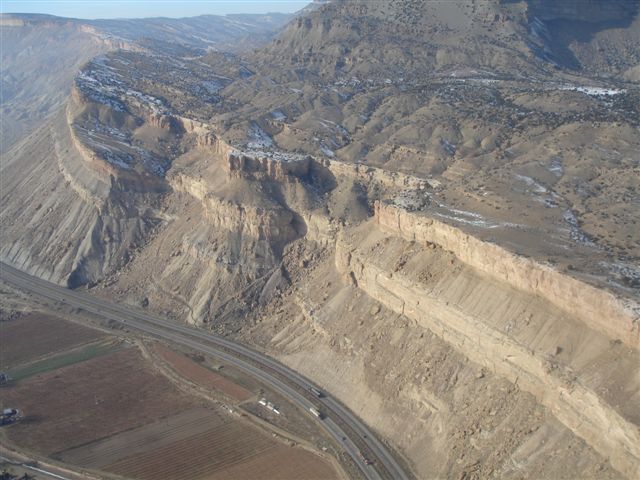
(307, 167)
(262, 223)
(597, 308)
(77, 232)
(373, 175)
(553, 385)
(265, 167)
(320, 228)
(272, 223)
(89, 193)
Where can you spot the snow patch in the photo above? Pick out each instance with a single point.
(537, 188)
(278, 116)
(556, 167)
(275, 155)
(259, 138)
(575, 232)
(327, 151)
(594, 91)
(212, 86)
(448, 146)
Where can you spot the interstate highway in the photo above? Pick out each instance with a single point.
(288, 382)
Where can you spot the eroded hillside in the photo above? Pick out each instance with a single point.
(445, 240)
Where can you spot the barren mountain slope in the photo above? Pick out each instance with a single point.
(413, 203)
(61, 219)
(530, 151)
(41, 54)
(38, 62)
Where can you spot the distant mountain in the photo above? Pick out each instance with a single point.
(42, 53)
(204, 31)
(418, 37)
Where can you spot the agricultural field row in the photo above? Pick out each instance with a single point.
(94, 401)
(201, 375)
(34, 335)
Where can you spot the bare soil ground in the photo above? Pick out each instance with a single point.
(280, 463)
(66, 358)
(228, 450)
(138, 441)
(88, 401)
(200, 375)
(34, 335)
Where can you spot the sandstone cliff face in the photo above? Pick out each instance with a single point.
(266, 168)
(598, 309)
(520, 289)
(318, 170)
(554, 386)
(78, 232)
(262, 223)
(451, 364)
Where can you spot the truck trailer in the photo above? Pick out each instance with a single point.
(315, 412)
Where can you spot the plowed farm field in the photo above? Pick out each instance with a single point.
(200, 375)
(231, 450)
(111, 410)
(87, 401)
(35, 335)
(200, 443)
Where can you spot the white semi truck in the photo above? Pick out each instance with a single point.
(315, 412)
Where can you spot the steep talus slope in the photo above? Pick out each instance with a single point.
(418, 343)
(38, 65)
(451, 311)
(60, 220)
(413, 203)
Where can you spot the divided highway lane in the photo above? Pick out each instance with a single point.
(206, 342)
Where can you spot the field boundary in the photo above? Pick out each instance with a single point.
(13, 453)
(66, 358)
(282, 435)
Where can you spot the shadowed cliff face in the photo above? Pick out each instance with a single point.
(592, 11)
(399, 199)
(594, 35)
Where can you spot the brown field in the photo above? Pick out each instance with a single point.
(115, 413)
(281, 463)
(134, 442)
(35, 335)
(230, 450)
(200, 375)
(88, 401)
(199, 443)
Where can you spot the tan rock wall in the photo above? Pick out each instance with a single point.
(365, 173)
(576, 406)
(274, 224)
(597, 308)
